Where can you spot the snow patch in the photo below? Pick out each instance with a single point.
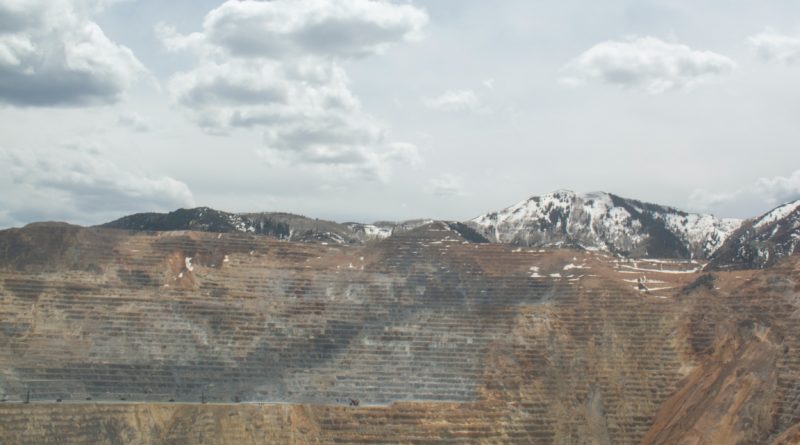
(631, 269)
(595, 222)
(777, 214)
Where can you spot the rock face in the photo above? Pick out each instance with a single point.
(428, 336)
(606, 222)
(762, 241)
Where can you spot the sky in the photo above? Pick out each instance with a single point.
(357, 110)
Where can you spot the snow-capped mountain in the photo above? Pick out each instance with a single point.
(762, 241)
(592, 221)
(603, 221)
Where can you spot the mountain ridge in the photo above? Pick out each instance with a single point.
(595, 221)
(760, 242)
(608, 222)
(281, 225)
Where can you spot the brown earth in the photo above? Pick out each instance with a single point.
(188, 337)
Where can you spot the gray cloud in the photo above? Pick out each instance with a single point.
(53, 54)
(645, 63)
(774, 47)
(343, 28)
(247, 93)
(82, 186)
(336, 152)
(15, 16)
(762, 195)
(230, 84)
(454, 101)
(133, 121)
(447, 184)
(275, 66)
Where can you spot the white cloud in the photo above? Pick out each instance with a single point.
(447, 185)
(762, 195)
(344, 28)
(248, 93)
(276, 66)
(403, 152)
(645, 63)
(82, 186)
(454, 101)
(345, 162)
(174, 41)
(53, 54)
(134, 121)
(706, 200)
(779, 189)
(774, 47)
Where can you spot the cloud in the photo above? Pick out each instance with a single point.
(246, 93)
(342, 28)
(447, 185)
(277, 67)
(647, 64)
(345, 162)
(134, 121)
(53, 54)
(779, 189)
(774, 47)
(705, 199)
(82, 186)
(762, 195)
(454, 101)
(403, 152)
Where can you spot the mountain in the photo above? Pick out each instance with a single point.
(591, 221)
(762, 241)
(607, 222)
(201, 219)
(285, 226)
(292, 227)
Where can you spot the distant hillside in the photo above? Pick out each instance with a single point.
(284, 226)
(592, 221)
(762, 241)
(202, 219)
(606, 222)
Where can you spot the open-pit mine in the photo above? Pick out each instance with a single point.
(427, 336)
